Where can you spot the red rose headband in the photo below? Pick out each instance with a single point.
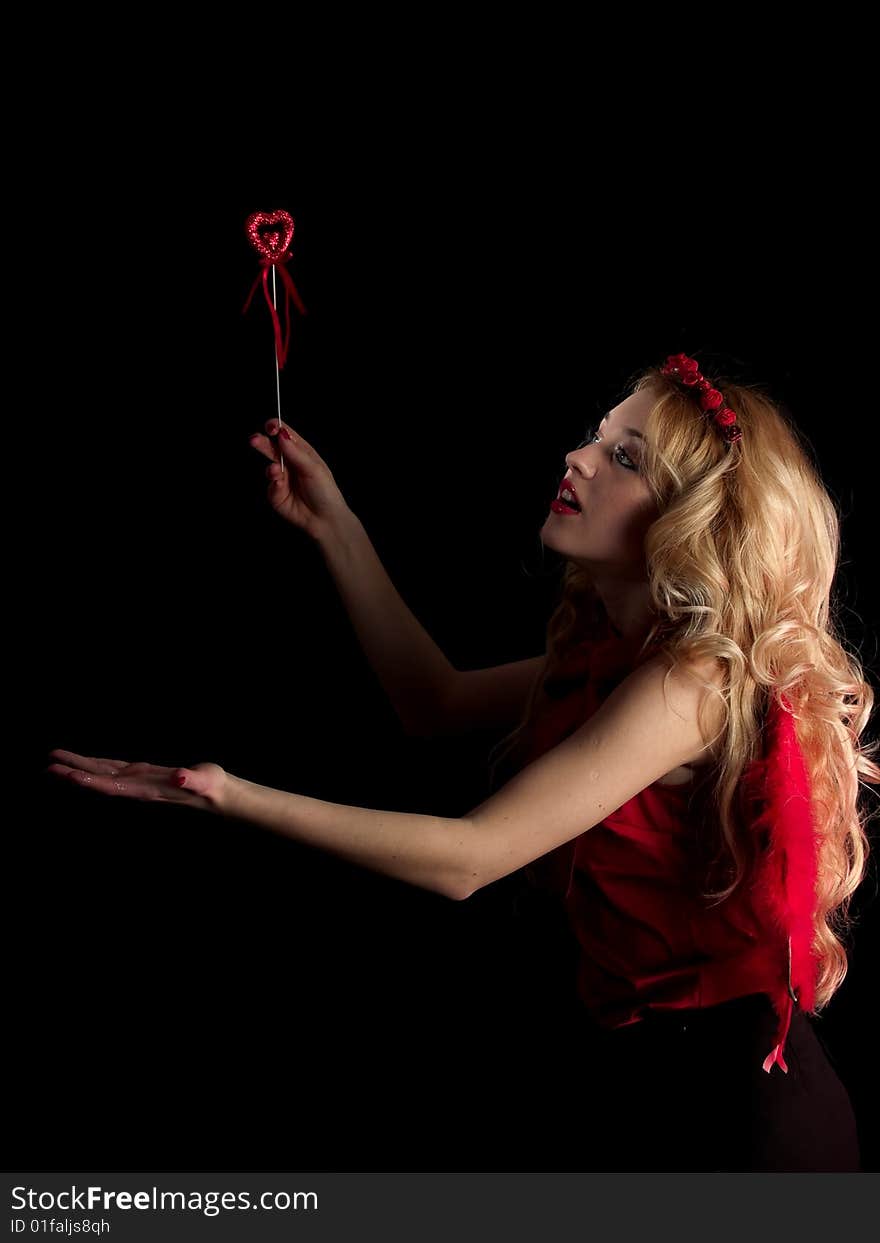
(686, 372)
(270, 234)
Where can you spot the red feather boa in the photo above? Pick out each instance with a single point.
(784, 884)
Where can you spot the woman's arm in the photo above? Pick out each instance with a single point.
(653, 722)
(424, 850)
(647, 726)
(428, 851)
(430, 696)
(492, 698)
(413, 670)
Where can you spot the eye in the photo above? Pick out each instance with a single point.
(594, 434)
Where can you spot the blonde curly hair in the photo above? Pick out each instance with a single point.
(741, 562)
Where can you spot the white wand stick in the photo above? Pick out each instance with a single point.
(277, 377)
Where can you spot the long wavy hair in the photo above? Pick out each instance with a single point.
(741, 562)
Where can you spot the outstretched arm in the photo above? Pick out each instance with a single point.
(428, 851)
(647, 726)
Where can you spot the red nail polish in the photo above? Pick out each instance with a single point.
(180, 780)
(286, 434)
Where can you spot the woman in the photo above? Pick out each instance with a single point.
(682, 781)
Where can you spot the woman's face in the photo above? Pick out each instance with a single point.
(607, 535)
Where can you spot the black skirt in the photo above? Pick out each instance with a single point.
(685, 1091)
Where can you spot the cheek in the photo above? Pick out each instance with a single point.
(636, 519)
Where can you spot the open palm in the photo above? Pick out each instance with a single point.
(201, 785)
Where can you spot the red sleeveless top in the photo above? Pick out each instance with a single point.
(630, 885)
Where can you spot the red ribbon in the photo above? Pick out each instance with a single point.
(290, 292)
(775, 1057)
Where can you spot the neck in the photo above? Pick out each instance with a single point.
(628, 608)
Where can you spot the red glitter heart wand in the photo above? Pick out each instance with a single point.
(270, 234)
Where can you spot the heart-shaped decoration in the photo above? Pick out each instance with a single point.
(270, 233)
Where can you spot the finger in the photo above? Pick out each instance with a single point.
(267, 446)
(190, 780)
(293, 438)
(140, 781)
(103, 783)
(273, 426)
(263, 445)
(89, 763)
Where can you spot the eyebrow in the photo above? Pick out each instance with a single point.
(631, 430)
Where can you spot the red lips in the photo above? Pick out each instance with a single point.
(567, 485)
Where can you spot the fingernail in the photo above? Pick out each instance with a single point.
(180, 780)
(286, 434)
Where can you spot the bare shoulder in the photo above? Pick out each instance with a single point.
(699, 672)
(694, 690)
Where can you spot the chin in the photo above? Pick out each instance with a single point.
(550, 533)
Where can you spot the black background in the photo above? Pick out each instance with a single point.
(186, 992)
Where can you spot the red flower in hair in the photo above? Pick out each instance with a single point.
(686, 371)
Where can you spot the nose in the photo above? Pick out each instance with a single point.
(579, 461)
